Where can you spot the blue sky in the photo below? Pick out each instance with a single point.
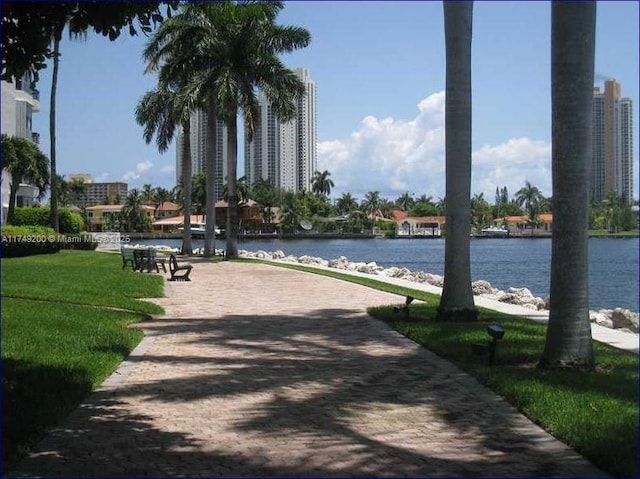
(380, 74)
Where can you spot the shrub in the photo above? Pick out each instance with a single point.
(29, 240)
(68, 221)
(80, 242)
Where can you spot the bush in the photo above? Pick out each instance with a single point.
(68, 221)
(29, 240)
(80, 242)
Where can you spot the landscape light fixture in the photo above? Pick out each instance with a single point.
(405, 308)
(497, 333)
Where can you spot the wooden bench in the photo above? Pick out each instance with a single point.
(179, 271)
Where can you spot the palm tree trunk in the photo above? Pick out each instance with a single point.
(13, 193)
(456, 303)
(232, 189)
(186, 183)
(212, 194)
(568, 342)
(53, 201)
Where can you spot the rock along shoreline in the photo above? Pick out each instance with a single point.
(618, 318)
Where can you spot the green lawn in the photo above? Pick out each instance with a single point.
(60, 339)
(596, 413)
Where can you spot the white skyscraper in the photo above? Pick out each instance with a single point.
(198, 124)
(284, 153)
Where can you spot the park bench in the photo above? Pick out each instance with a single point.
(179, 271)
(146, 259)
(127, 257)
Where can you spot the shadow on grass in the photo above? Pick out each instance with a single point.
(330, 393)
(34, 398)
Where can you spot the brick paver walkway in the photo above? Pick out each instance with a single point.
(261, 371)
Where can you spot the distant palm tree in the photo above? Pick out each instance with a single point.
(456, 302)
(264, 193)
(148, 193)
(346, 204)
(321, 183)
(531, 199)
(78, 190)
(133, 213)
(405, 201)
(573, 30)
(162, 196)
(25, 162)
(371, 203)
(64, 195)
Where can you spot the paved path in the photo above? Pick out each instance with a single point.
(261, 371)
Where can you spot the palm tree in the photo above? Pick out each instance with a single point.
(568, 342)
(371, 203)
(199, 193)
(346, 204)
(133, 212)
(321, 183)
(148, 193)
(25, 162)
(530, 198)
(163, 195)
(405, 201)
(161, 111)
(264, 193)
(78, 190)
(232, 51)
(456, 302)
(64, 193)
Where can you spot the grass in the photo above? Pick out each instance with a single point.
(596, 413)
(80, 277)
(60, 337)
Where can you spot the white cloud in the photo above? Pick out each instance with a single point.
(394, 156)
(141, 168)
(167, 169)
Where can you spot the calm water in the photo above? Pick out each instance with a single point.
(613, 263)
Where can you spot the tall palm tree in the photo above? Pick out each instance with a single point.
(321, 183)
(161, 112)
(456, 302)
(568, 342)
(25, 162)
(531, 199)
(232, 51)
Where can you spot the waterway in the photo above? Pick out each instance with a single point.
(520, 262)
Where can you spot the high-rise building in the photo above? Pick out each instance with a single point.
(612, 159)
(198, 125)
(19, 102)
(100, 193)
(284, 153)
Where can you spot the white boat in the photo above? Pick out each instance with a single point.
(494, 231)
(198, 230)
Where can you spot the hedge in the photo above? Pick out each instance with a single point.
(29, 240)
(68, 221)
